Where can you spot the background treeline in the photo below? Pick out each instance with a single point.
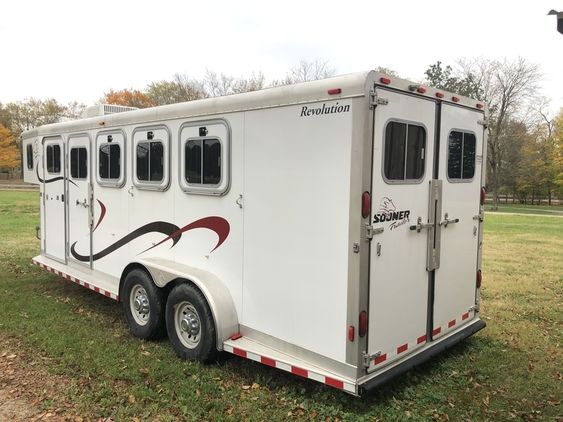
(525, 154)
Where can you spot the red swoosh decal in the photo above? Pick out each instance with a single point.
(217, 224)
(102, 213)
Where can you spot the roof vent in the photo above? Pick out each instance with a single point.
(105, 109)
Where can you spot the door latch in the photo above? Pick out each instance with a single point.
(367, 358)
(420, 225)
(372, 231)
(84, 203)
(447, 220)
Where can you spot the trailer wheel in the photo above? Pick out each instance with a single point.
(190, 325)
(143, 305)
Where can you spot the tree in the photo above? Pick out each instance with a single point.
(505, 86)
(445, 78)
(127, 97)
(307, 71)
(558, 151)
(388, 71)
(178, 90)
(9, 153)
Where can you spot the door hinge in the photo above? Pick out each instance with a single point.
(374, 100)
(484, 123)
(367, 358)
(372, 231)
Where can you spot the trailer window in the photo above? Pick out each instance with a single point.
(203, 161)
(461, 155)
(150, 161)
(79, 163)
(29, 153)
(54, 158)
(109, 161)
(405, 145)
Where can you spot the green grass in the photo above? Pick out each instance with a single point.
(556, 210)
(510, 370)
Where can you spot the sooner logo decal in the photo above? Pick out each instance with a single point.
(388, 212)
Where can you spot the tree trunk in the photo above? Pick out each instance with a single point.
(495, 187)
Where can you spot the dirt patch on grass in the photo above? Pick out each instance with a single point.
(27, 391)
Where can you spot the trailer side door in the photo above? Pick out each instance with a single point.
(54, 232)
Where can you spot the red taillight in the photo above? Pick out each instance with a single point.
(439, 95)
(351, 333)
(479, 105)
(483, 195)
(385, 80)
(479, 279)
(363, 324)
(334, 91)
(366, 204)
(421, 90)
(455, 99)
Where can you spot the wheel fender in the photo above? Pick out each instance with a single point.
(216, 293)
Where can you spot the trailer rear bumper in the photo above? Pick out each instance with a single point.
(425, 355)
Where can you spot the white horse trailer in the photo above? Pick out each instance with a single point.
(332, 229)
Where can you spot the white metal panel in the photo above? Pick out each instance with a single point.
(296, 221)
(456, 277)
(398, 277)
(54, 204)
(79, 206)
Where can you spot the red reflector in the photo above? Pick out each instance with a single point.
(421, 90)
(366, 204)
(439, 95)
(334, 91)
(483, 195)
(455, 99)
(363, 324)
(351, 333)
(479, 279)
(384, 80)
(479, 105)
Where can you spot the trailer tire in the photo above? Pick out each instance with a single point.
(143, 305)
(190, 324)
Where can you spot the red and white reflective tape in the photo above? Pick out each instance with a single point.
(76, 280)
(399, 350)
(305, 373)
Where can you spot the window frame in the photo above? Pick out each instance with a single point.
(70, 163)
(218, 129)
(29, 156)
(383, 151)
(463, 132)
(101, 139)
(161, 134)
(52, 145)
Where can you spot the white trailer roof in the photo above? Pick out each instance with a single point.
(350, 85)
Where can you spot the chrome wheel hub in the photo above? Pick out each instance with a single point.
(188, 325)
(140, 305)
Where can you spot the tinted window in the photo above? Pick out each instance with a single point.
(404, 151)
(79, 163)
(53, 158)
(29, 153)
(150, 161)
(461, 155)
(203, 161)
(110, 161)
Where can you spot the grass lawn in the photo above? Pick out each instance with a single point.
(528, 209)
(510, 370)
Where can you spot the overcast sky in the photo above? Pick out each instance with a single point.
(77, 50)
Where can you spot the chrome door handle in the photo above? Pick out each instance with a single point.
(447, 220)
(420, 225)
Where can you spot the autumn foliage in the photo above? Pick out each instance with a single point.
(9, 153)
(127, 97)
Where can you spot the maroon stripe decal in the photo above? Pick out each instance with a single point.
(402, 348)
(465, 316)
(436, 331)
(421, 339)
(102, 214)
(451, 323)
